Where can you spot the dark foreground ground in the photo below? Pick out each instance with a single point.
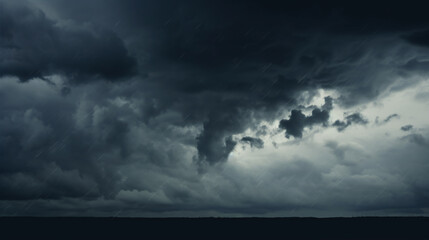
(221, 228)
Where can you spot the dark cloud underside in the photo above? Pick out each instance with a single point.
(298, 121)
(142, 102)
(32, 46)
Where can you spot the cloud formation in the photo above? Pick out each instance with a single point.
(390, 117)
(406, 128)
(253, 142)
(32, 45)
(416, 138)
(297, 121)
(137, 107)
(355, 118)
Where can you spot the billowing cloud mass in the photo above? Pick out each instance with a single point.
(187, 108)
(298, 121)
(33, 45)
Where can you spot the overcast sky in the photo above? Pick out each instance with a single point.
(213, 108)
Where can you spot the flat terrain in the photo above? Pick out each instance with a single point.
(297, 228)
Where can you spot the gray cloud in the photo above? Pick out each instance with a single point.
(254, 142)
(416, 138)
(406, 128)
(33, 45)
(175, 82)
(390, 117)
(355, 118)
(298, 121)
(420, 38)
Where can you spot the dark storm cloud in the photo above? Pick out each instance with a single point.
(406, 128)
(206, 71)
(297, 121)
(49, 154)
(78, 150)
(221, 62)
(254, 142)
(420, 38)
(32, 46)
(355, 118)
(215, 142)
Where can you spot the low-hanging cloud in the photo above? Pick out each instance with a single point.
(120, 104)
(295, 125)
